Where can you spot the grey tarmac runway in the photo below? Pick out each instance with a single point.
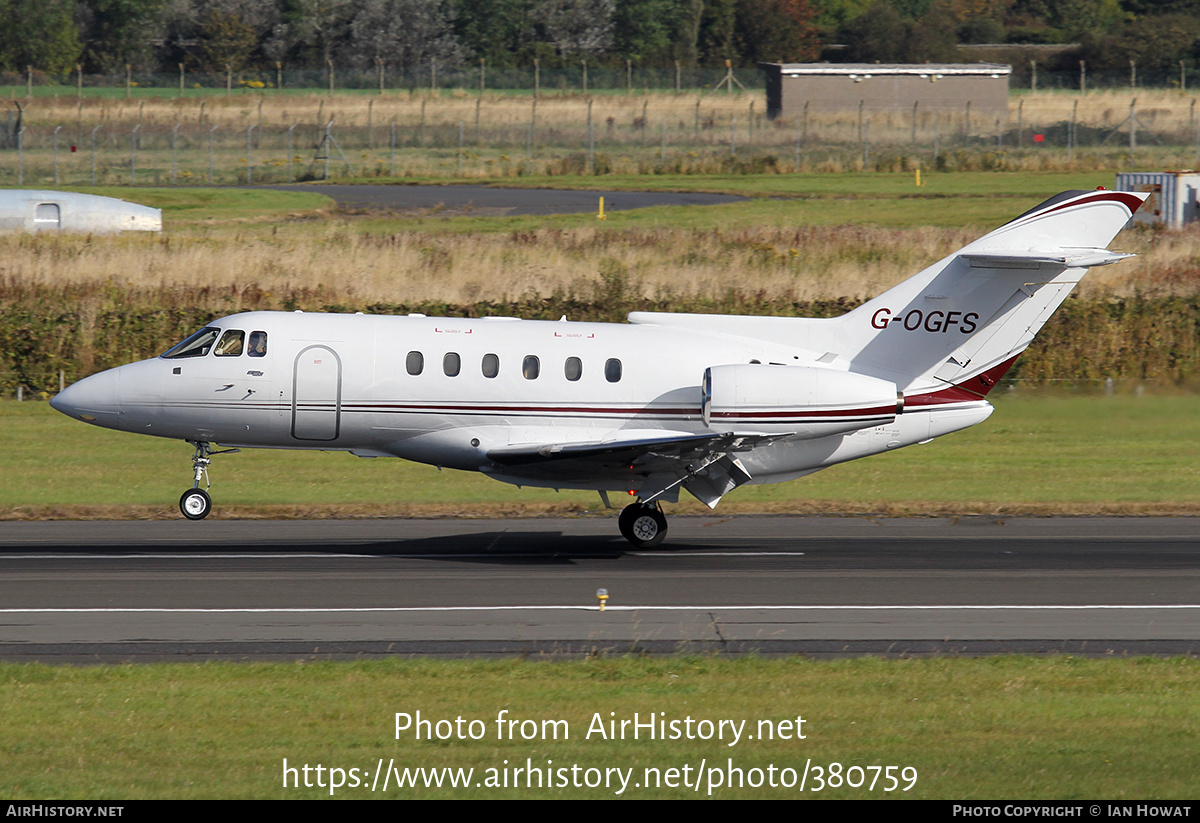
(824, 586)
(488, 201)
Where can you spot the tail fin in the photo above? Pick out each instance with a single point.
(951, 331)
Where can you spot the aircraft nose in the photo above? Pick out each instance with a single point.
(95, 399)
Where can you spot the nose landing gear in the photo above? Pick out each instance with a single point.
(643, 524)
(195, 502)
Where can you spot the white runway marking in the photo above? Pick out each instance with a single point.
(385, 609)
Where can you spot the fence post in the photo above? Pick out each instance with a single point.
(1133, 124)
(54, 140)
(537, 79)
(128, 80)
(78, 81)
(228, 79)
(1033, 75)
(133, 155)
(379, 63)
(330, 63)
(181, 79)
(29, 81)
(392, 155)
(278, 76)
(1071, 132)
(591, 141)
(249, 154)
(20, 156)
(584, 64)
(94, 154)
(460, 147)
(628, 76)
(1083, 77)
(916, 104)
(211, 131)
(174, 151)
(291, 129)
(482, 75)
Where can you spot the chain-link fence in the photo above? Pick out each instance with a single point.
(255, 137)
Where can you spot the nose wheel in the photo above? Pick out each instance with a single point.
(195, 502)
(643, 524)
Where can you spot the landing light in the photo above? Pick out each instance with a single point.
(602, 596)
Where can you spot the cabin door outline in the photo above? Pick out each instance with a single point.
(317, 394)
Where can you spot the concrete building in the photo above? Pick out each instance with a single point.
(27, 210)
(883, 87)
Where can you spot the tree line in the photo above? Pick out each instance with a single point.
(105, 36)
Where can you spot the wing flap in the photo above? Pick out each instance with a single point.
(705, 465)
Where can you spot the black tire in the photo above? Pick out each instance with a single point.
(195, 504)
(643, 525)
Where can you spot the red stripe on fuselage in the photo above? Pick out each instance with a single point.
(975, 388)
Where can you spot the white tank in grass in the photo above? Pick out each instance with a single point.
(28, 210)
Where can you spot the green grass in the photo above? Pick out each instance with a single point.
(972, 729)
(811, 184)
(1038, 454)
(952, 199)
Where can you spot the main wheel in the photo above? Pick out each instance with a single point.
(195, 504)
(643, 525)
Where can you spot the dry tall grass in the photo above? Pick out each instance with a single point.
(1170, 112)
(338, 264)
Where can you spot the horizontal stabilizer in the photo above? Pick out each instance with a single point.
(1068, 258)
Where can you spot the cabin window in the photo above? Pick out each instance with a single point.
(231, 343)
(612, 370)
(414, 363)
(531, 367)
(451, 364)
(195, 346)
(491, 365)
(573, 368)
(258, 344)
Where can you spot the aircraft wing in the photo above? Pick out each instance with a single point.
(655, 465)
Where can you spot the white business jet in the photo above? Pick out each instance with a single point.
(703, 403)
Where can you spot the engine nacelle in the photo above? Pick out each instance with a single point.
(802, 400)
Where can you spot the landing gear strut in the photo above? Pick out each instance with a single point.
(195, 502)
(643, 524)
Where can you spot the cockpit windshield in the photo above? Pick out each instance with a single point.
(195, 346)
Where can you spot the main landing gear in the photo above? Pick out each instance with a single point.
(643, 524)
(195, 502)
